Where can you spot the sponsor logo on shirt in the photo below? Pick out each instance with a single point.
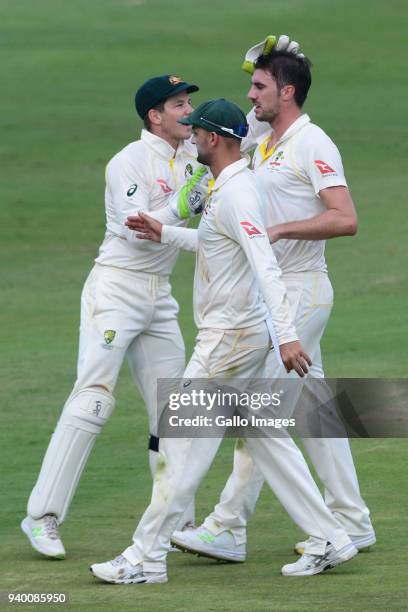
(324, 168)
(250, 229)
(131, 190)
(164, 185)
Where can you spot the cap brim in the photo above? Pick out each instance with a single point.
(184, 87)
(186, 120)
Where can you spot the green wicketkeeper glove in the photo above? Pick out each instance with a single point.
(190, 200)
(283, 43)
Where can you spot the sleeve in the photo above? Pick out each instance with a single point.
(188, 201)
(242, 220)
(166, 215)
(323, 165)
(127, 193)
(180, 237)
(257, 129)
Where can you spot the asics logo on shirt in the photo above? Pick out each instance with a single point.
(131, 190)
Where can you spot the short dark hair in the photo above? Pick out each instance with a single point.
(287, 69)
(146, 121)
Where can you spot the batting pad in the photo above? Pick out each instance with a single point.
(81, 421)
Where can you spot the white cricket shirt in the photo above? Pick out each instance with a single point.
(237, 282)
(142, 177)
(302, 163)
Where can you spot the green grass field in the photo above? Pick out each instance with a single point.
(68, 72)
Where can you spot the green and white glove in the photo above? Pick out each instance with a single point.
(283, 43)
(190, 200)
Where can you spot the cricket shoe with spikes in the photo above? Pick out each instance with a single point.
(202, 542)
(360, 542)
(187, 526)
(120, 571)
(308, 565)
(43, 535)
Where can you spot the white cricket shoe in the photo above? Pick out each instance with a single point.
(308, 565)
(360, 542)
(120, 571)
(187, 526)
(43, 535)
(203, 543)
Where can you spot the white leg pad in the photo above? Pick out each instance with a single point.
(81, 421)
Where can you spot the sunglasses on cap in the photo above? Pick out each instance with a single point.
(240, 131)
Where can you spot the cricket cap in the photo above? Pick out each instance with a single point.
(158, 89)
(220, 116)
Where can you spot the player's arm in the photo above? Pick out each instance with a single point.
(185, 203)
(258, 129)
(321, 165)
(149, 228)
(127, 193)
(340, 219)
(243, 223)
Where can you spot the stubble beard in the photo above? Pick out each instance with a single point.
(202, 158)
(269, 115)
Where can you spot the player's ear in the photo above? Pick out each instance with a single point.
(287, 92)
(213, 138)
(154, 116)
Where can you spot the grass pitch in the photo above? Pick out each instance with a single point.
(68, 74)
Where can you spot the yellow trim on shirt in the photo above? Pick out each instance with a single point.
(171, 164)
(263, 149)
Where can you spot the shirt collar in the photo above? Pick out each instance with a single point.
(160, 146)
(230, 171)
(292, 129)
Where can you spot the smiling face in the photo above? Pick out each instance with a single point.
(164, 123)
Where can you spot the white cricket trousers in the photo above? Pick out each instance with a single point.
(141, 311)
(123, 313)
(184, 462)
(310, 297)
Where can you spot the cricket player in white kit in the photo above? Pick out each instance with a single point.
(127, 309)
(237, 287)
(306, 200)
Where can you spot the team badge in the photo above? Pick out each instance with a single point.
(131, 190)
(188, 171)
(175, 80)
(277, 159)
(109, 335)
(207, 206)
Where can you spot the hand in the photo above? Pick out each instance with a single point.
(147, 227)
(192, 198)
(295, 358)
(283, 43)
(273, 233)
